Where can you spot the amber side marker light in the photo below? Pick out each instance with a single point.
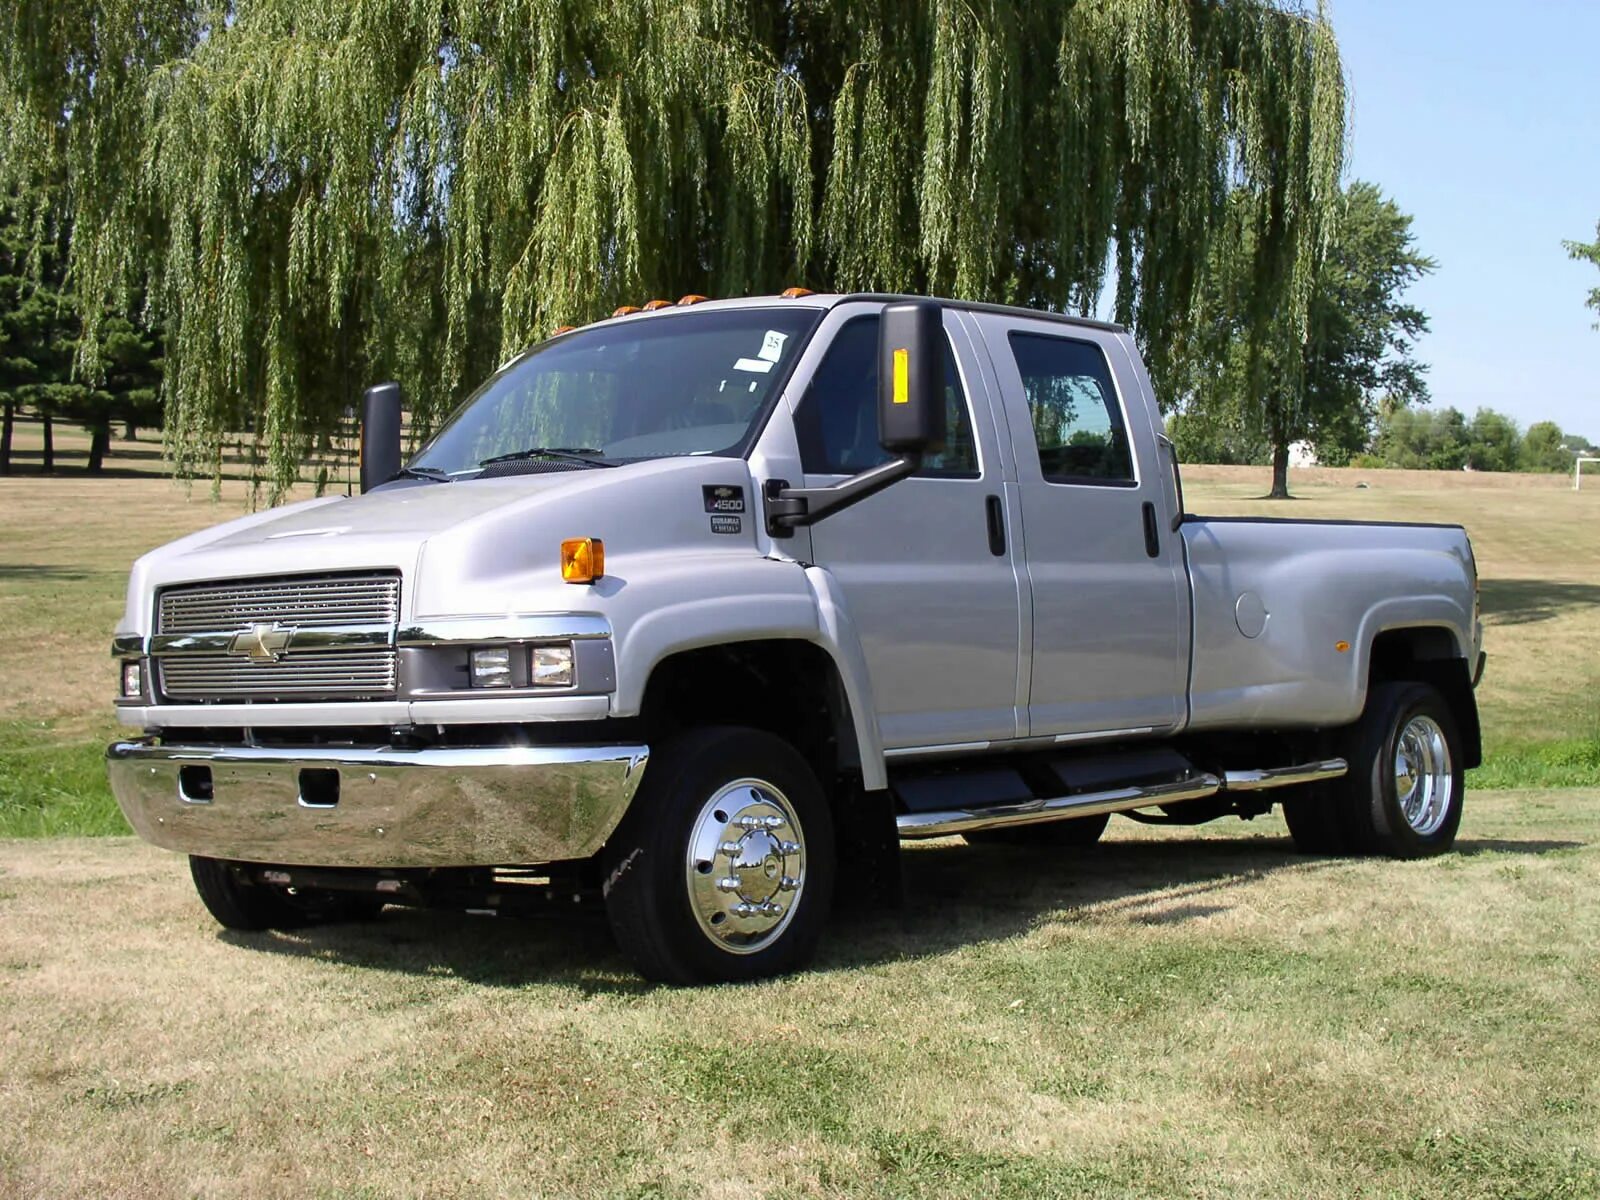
(583, 560)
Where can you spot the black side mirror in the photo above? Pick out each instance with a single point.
(911, 418)
(380, 434)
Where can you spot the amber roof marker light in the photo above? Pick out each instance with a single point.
(583, 560)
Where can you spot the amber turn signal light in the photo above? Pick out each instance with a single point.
(583, 560)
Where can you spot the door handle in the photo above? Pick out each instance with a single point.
(1152, 543)
(997, 527)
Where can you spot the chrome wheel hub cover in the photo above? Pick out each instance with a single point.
(1424, 781)
(746, 866)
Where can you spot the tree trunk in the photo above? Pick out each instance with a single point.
(9, 424)
(99, 445)
(49, 444)
(1280, 471)
(130, 430)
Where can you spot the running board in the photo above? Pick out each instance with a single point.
(1277, 777)
(1195, 786)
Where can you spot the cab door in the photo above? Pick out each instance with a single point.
(1104, 571)
(926, 566)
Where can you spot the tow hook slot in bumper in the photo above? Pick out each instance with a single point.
(377, 806)
(1195, 785)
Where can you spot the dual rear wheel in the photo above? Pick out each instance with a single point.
(1403, 793)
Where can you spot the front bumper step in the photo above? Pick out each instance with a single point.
(377, 806)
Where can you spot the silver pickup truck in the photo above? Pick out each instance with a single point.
(701, 610)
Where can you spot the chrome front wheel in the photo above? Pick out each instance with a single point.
(746, 865)
(723, 868)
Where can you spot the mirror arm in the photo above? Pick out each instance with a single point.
(789, 508)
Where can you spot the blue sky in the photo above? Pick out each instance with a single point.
(1482, 120)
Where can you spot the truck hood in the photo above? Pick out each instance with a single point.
(475, 547)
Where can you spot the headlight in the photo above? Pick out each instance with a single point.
(552, 666)
(491, 667)
(132, 678)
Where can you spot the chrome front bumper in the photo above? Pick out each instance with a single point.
(450, 807)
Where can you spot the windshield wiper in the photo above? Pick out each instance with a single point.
(587, 455)
(432, 474)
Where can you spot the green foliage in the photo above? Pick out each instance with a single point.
(316, 195)
(1588, 252)
(1544, 448)
(40, 326)
(1324, 381)
(38, 323)
(1493, 442)
(1420, 439)
(1444, 440)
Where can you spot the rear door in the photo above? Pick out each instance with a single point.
(1103, 569)
(925, 566)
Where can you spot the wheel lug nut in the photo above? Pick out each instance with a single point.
(730, 848)
(788, 883)
(728, 884)
(788, 848)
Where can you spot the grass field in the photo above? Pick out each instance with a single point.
(1173, 1013)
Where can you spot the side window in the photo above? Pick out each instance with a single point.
(837, 420)
(1077, 424)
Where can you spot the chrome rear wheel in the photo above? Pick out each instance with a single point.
(1424, 782)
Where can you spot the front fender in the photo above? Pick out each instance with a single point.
(692, 604)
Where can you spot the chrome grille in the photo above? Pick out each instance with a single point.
(314, 600)
(353, 675)
(308, 602)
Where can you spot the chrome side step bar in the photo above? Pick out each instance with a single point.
(1276, 777)
(1196, 786)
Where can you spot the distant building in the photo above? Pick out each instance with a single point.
(1302, 454)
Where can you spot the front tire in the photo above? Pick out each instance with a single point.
(723, 868)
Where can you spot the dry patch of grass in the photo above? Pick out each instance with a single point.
(1201, 1013)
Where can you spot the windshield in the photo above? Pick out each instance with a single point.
(690, 383)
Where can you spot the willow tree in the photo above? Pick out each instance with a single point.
(311, 195)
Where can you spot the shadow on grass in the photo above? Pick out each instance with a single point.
(956, 895)
(1524, 601)
(42, 573)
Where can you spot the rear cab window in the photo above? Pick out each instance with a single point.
(1073, 409)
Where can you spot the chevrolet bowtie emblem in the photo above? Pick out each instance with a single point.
(262, 643)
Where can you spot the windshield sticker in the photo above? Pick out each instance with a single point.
(723, 498)
(759, 365)
(726, 524)
(772, 345)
